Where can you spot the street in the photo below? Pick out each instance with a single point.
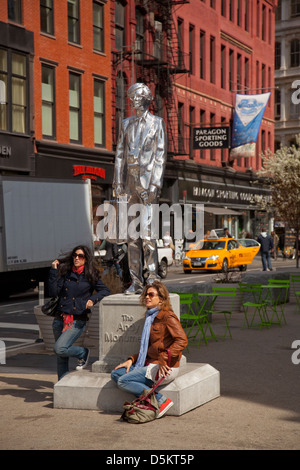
(18, 325)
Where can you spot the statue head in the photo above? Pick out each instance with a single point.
(140, 95)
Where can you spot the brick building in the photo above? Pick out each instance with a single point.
(195, 56)
(55, 65)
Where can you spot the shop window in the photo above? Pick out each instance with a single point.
(48, 102)
(47, 16)
(14, 8)
(98, 26)
(73, 21)
(99, 113)
(75, 107)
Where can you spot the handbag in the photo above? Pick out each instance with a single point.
(50, 307)
(145, 408)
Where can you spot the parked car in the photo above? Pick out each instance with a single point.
(220, 254)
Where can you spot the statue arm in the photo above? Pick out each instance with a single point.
(119, 163)
(156, 182)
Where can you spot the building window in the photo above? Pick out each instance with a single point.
(277, 55)
(18, 95)
(231, 81)
(99, 113)
(48, 102)
(73, 21)
(3, 91)
(294, 109)
(140, 32)
(295, 53)
(202, 121)
(223, 66)
(212, 122)
(159, 38)
(14, 8)
(180, 127)
(246, 14)
(75, 107)
(180, 30)
(239, 12)
(98, 26)
(14, 88)
(239, 72)
(47, 16)
(295, 7)
(277, 109)
(191, 48)
(121, 86)
(119, 26)
(246, 74)
(212, 59)
(202, 54)
(223, 7)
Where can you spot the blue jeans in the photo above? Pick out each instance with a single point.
(266, 260)
(135, 381)
(64, 344)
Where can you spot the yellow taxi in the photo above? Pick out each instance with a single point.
(220, 254)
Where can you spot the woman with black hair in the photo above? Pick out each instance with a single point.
(76, 280)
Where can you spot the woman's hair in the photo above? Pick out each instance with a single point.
(163, 294)
(91, 269)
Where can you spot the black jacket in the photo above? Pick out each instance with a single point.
(265, 242)
(74, 291)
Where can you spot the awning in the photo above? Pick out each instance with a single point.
(220, 211)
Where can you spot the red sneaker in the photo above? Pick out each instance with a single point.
(165, 407)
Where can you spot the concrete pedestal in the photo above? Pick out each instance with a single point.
(121, 320)
(195, 385)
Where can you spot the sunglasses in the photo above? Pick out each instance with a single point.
(78, 255)
(150, 294)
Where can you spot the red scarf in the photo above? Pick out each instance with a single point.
(68, 319)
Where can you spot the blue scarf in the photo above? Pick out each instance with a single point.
(150, 315)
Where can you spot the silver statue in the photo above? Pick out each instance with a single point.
(139, 168)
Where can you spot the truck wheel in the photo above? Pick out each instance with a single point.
(163, 269)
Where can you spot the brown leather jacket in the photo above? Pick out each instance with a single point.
(166, 333)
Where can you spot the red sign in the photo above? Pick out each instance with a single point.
(88, 172)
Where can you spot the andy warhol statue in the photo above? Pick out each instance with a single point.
(139, 169)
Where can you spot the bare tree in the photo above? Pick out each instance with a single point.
(282, 172)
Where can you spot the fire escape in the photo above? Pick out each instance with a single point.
(157, 61)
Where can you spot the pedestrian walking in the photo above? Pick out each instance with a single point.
(266, 246)
(76, 280)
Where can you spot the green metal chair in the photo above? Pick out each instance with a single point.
(294, 290)
(227, 294)
(195, 317)
(276, 298)
(254, 306)
(297, 295)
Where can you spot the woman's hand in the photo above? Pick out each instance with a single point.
(89, 304)
(55, 264)
(163, 370)
(127, 364)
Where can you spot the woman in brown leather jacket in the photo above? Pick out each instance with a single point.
(163, 340)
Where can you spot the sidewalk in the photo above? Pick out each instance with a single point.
(259, 407)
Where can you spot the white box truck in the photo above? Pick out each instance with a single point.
(39, 220)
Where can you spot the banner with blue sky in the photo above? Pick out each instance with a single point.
(249, 111)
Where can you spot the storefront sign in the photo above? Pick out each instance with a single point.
(216, 193)
(211, 138)
(15, 152)
(88, 172)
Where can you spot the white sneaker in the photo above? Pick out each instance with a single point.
(82, 363)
